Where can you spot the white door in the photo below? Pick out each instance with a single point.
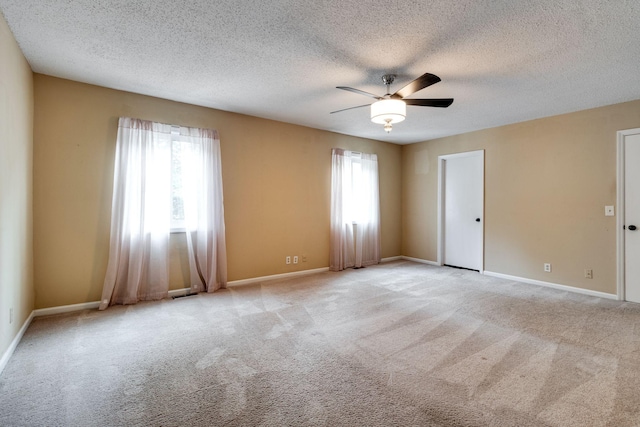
(462, 209)
(631, 217)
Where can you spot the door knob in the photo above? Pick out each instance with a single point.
(632, 227)
(477, 219)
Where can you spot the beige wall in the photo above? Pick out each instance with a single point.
(16, 145)
(546, 184)
(276, 181)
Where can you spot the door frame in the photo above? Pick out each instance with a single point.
(441, 178)
(620, 252)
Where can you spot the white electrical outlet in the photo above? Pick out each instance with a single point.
(295, 259)
(547, 267)
(588, 273)
(288, 260)
(608, 211)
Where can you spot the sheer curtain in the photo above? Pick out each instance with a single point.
(355, 210)
(204, 210)
(141, 211)
(138, 266)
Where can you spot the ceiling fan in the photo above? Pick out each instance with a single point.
(392, 108)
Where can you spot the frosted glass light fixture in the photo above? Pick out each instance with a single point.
(387, 112)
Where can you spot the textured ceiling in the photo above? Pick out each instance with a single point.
(502, 61)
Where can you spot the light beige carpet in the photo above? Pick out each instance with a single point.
(396, 344)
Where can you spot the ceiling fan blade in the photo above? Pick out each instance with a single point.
(361, 92)
(350, 108)
(441, 102)
(420, 83)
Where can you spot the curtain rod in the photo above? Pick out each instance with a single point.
(354, 152)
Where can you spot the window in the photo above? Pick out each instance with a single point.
(355, 210)
(166, 178)
(186, 177)
(178, 160)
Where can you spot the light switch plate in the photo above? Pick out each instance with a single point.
(608, 211)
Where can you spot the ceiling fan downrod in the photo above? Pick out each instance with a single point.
(388, 79)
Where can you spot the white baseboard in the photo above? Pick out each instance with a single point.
(391, 258)
(172, 293)
(14, 344)
(66, 308)
(421, 261)
(552, 285)
(277, 276)
(91, 305)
